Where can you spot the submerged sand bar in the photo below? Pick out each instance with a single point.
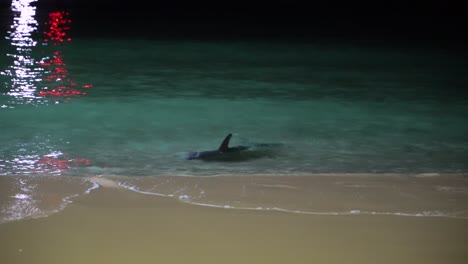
(113, 224)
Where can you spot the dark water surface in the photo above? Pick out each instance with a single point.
(76, 102)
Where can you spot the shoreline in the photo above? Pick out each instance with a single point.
(282, 174)
(427, 195)
(119, 226)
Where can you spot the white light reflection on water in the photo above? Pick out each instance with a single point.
(23, 72)
(22, 204)
(24, 197)
(32, 79)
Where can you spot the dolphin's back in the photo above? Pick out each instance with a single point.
(237, 153)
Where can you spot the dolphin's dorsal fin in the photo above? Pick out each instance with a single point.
(225, 145)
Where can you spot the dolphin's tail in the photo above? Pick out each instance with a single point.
(191, 155)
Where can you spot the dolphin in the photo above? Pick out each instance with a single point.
(238, 153)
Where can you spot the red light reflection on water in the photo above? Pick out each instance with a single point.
(58, 27)
(55, 164)
(59, 84)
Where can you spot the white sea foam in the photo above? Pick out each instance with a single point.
(189, 200)
(104, 182)
(90, 189)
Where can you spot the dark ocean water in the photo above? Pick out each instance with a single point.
(77, 102)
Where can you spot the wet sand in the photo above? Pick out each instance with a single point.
(387, 194)
(116, 225)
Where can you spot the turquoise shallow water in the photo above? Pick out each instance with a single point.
(135, 106)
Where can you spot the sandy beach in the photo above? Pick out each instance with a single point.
(117, 225)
